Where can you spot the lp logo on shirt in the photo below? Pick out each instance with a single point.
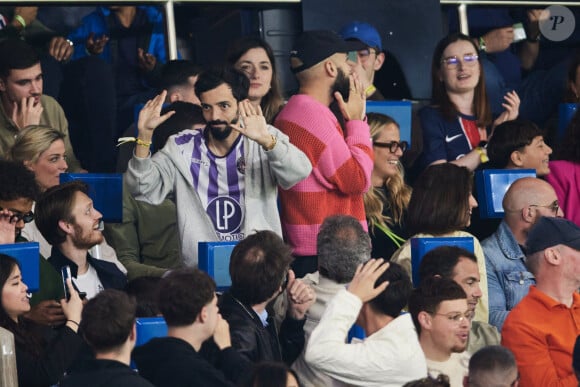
(226, 214)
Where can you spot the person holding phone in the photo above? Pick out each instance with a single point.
(42, 354)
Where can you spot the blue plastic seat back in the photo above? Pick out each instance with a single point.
(400, 111)
(149, 328)
(421, 246)
(28, 255)
(106, 190)
(566, 112)
(492, 184)
(214, 259)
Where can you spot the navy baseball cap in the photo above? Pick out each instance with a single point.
(548, 232)
(363, 32)
(313, 47)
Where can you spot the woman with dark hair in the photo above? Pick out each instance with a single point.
(564, 173)
(441, 206)
(269, 374)
(386, 202)
(42, 353)
(455, 126)
(255, 58)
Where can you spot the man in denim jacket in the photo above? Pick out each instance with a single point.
(508, 278)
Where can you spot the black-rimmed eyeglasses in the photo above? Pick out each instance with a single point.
(392, 146)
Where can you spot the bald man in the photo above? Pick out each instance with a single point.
(508, 278)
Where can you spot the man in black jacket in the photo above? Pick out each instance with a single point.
(108, 326)
(260, 272)
(188, 303)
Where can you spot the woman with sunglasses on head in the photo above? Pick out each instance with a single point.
(42, 354)
(254, 57)
(386, 203)
(456, 125)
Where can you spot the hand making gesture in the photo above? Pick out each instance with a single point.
(253, 124)
(355, 107)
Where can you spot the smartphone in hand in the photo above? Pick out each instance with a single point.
(65, 272)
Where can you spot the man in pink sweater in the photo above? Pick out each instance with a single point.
(337, 144)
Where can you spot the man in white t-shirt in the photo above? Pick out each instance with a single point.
(67, 219)
(442, 318)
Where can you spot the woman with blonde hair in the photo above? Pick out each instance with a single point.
(386, 203)
(41, 149)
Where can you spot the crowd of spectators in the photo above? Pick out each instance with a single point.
(314, 193)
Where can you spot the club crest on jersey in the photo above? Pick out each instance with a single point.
(226, 214)
(241, 165)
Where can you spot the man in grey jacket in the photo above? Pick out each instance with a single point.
(225, 177)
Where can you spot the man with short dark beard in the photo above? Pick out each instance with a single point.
(341, 155)
(225, 177)
(67, 219)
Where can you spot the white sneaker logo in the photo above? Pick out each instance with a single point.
(449, 139)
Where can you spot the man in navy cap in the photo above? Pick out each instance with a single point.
(340, 152)
(371, 57)
(542, 328)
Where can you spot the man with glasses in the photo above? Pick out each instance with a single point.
(378, 67)
(371, 57)
(542, 328)
(341, 154)
(18, 191)
(442, 318)
(460, 265)
(508, 278)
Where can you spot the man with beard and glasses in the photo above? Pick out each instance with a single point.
(67, 219)
(224, 178)
(339, 148)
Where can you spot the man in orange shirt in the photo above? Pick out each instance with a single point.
(542, 328)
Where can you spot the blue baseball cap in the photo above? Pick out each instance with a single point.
(549, 232)
(363, 32)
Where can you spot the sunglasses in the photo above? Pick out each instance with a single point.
(554, 206)
(453, 61)
(352, 56)
(392, 146)
(17, 216)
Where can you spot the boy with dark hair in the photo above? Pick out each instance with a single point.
(519, 144)
(390, 355)
(108, 326)
(188, 303)
(260, 272)
(442, 317)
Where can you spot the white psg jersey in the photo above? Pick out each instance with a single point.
(219, 182)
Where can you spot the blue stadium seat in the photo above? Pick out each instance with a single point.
(565, 113)
(214, 259)
(149, 328)
(492, 184)
(27, 254)
(421, 246)
(400, 111)
(106, 190)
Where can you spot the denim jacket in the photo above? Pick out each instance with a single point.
(508, 279)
